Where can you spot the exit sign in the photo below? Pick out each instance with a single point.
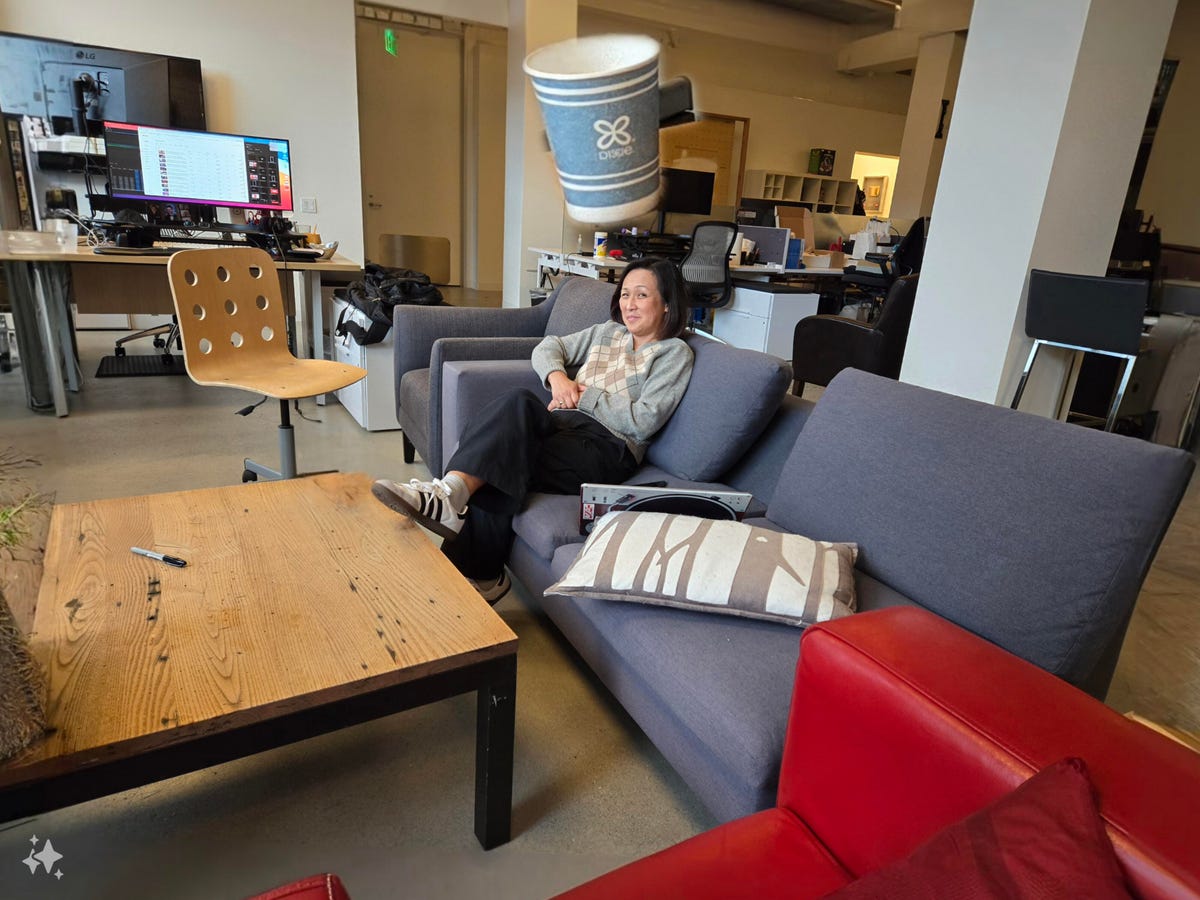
(389, 41)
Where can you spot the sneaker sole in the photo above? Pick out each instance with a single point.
(501, 589)
(398, 504)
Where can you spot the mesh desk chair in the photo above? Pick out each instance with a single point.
(231, 316)
(706, 267)
(1086, 314)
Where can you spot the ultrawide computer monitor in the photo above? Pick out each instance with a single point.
(174, 166)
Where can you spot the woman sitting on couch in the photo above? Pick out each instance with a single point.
(633, 371)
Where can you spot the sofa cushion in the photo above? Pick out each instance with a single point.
(713, 566)
(771, 854)
(1031, 533)
(548, 521)
(579, 303)
(712, 692)
(1045, 839)
(731, 398)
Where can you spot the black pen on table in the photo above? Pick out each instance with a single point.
(161, 557)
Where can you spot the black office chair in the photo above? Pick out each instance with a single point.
(164, 336)
(824, 345)
(1088, 314)
(706, 267)
(906, 259)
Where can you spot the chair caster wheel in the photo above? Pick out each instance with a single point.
(247, 475)
(118, 351)
(159, 343)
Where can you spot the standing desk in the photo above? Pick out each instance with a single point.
(138, 284)
(555, 261)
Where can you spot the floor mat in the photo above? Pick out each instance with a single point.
(145, 364)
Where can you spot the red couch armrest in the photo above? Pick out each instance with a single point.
(315, 887)
(903, 723)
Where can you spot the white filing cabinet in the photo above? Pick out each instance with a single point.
(371, 401)
(763, 318)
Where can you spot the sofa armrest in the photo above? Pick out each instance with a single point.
(824, 345)
(903, 723)
(416, 328)
(467, 386)
(464, 348)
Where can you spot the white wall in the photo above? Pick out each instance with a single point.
(282, 68)
(793, 96)
(1171, 188)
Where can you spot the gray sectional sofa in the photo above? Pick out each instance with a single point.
(1033, 534)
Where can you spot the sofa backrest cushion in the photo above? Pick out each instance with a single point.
(730, 400)
(579, 303)
(1029, 532)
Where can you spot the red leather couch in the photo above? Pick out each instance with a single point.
(902, 724)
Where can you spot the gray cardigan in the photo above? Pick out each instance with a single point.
(641, 388)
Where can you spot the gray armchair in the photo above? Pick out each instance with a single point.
(426, 337)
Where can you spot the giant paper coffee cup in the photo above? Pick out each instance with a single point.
(599, 99)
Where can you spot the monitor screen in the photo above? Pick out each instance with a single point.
(170, 165)
(687, 191)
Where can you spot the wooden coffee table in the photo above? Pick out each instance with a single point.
(306, 606)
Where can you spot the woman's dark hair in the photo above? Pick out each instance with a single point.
(670, 286)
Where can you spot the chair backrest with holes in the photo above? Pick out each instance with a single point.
(230, 309)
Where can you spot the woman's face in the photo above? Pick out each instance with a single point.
(642, 307)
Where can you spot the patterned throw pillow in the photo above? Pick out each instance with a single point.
(713, 566)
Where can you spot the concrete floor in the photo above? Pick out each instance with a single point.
(387, 805)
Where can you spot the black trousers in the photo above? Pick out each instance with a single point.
(519, 447)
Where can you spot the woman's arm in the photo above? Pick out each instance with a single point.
(662, 389)
(556, 353)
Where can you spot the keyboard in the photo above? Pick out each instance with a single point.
(113, 250)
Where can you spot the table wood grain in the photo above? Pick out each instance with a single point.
(296, 594)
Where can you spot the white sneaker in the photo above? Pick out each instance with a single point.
(492, 589)
(425, 502)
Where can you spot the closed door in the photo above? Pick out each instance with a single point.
(411, 136)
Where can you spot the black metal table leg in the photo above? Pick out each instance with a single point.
(495, 724)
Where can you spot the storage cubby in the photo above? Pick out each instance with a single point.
(815, 192)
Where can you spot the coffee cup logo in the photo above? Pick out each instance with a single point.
(614, 132)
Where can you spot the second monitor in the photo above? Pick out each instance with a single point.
(177, 166)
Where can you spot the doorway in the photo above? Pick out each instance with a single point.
(431, 133)
(876, 177)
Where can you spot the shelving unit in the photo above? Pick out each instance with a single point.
(816, 192)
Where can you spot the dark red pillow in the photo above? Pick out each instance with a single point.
(1044, 840)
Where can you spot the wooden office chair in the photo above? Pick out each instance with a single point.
(234, 327)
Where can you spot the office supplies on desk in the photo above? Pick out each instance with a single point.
(771, 243)
(161, 557)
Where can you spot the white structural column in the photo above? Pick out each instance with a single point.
(921, 150)
(532, 198)
(1052, 99)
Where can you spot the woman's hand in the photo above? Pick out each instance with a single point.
(566, 392)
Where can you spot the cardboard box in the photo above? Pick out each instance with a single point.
(824, 259)
(799, 220)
